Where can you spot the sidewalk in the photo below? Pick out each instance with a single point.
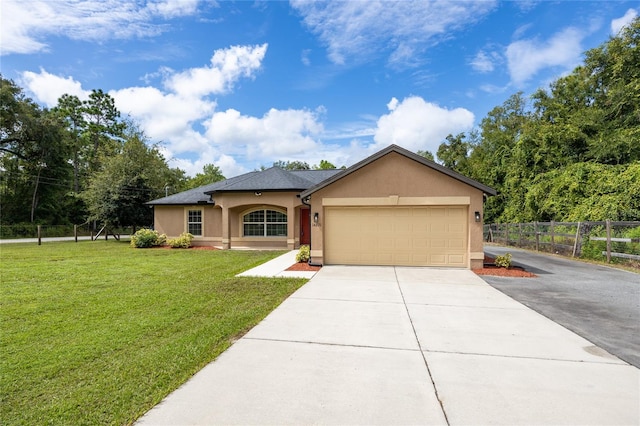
(277, 268)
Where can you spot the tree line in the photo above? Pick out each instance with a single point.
(570, 152)
(80, 162)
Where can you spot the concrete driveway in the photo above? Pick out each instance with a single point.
(391, 345)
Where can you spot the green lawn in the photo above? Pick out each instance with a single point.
(99, 332)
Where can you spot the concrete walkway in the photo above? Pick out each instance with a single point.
(277, 268)
(392, 345)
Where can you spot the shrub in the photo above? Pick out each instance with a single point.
(145, 238)
(304, 254)
(504, 261)
(183, 241)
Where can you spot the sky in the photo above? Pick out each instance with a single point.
(243, 84)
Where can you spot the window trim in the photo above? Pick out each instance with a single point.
(265, 222)
(187, 222)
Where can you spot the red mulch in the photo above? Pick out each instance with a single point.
(514, 271)
(190, 248)
(303, 266)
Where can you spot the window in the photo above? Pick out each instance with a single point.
(264, 223)
(194, 222)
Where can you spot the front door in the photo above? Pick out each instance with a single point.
(305, 226)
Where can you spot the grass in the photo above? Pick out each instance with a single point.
(98, 332)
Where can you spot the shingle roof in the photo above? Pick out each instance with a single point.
(408, 154)
(272, 179)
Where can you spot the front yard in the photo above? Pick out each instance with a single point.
(98, 332)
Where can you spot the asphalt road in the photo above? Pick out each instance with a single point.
(599, 303)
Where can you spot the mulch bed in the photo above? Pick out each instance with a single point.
(190, 248)
(491, 269)
(303, 266)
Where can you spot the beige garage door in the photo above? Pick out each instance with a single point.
(410, 236)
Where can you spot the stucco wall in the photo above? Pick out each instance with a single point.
(172, 221)
(397, 175)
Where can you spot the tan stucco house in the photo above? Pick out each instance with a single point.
(392, 208)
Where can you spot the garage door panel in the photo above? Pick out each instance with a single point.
(424, 235)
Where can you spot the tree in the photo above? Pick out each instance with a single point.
(453, 153)
(426, 154)
(70, 110)
(104, 129)
(491, 155)
(292, 165)
(138, 173)
(210, 174)
(33, 160)
(324, 165)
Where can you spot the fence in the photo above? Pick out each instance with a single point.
(28, 230)
(608, 240)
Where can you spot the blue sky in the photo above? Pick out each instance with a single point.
(243, 84)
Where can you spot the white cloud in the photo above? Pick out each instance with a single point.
(485, 62)
(24, 24)
(526, 57)
(174, 116)
(163, 116)
(227, 67)
(618, 24)
(278, 134)
(48, 88)
(419, 125)
(357, 30)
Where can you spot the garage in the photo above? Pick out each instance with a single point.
(396, 208)
(399, 235)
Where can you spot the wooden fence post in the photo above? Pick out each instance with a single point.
(75, 232)
(506, 234)
(39, 236)
(608, 222)
(535, 230)
(519, 235)
(553, 240)
(576, 243)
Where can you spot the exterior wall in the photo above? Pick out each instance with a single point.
(397, 180)
(227, 233)
(172, 221)
(169, 220)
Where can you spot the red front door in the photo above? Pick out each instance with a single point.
(305, 226)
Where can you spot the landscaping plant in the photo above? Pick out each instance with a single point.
(503, 261)
(145, 238)
(183, 241)
(304, 254)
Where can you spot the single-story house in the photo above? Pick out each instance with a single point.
(392, 208)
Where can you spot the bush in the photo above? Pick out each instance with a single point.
(504, 261)
(183, 241)
(304, 254)
(145, 238)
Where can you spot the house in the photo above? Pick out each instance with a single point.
(392, 208)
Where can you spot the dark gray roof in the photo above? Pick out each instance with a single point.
(408, 154)
(272, 179)
(276, 179)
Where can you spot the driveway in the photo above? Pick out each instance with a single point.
(385, 345)
(599, 303)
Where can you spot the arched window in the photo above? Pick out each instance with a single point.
(264, 223)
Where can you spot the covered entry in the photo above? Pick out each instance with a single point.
(398, 235)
